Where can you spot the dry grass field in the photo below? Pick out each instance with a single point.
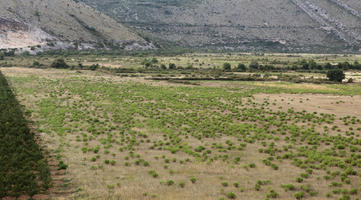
(133, 138)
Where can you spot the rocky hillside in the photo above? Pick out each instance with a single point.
(61, 24)
(280, 25)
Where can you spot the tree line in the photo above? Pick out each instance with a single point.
(302, 65)
(23, 168)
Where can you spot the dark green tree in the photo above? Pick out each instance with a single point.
(154, 61)
(254, 65)
(336, 75)
(172, 66)
(241, 67)
(60, 64)
(227, 67)
(328, 66)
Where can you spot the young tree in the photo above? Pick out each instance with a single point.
(154, 61)
(241, 67)
(328, 66)
(172, 66)
(2, 56)
(60, 64)
(336, 75)
(147, 63)
(227, 67)
(254, 65)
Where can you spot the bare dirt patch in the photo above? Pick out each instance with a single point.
(341, 106)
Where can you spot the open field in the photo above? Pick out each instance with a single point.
(134, 138)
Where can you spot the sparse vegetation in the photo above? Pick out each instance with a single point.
(118, 125)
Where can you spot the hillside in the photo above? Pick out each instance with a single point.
(60, 24)
(279, 25)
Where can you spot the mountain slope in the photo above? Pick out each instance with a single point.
(286, 25)
(65, 21)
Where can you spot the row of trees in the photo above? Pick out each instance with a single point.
(335, 72)
(302, 66)
(23, 169)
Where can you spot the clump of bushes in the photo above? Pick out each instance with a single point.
(336, 75)
(231, 195)
(60, 64)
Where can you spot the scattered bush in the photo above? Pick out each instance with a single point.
(272, 194)
(231, 195)
(288, 187)
(300, 195)
(169, 182)
(224, 184)
(62, 165)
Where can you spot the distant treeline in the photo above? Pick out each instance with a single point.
(302, 66)
(153, 65)
(254, 66)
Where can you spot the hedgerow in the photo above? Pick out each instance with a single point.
(23, 169)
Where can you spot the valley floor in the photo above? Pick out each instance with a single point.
(132, 138)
